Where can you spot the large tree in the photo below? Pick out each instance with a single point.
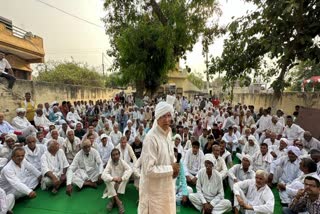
(74, 73)
(281, 30)
(148, 37)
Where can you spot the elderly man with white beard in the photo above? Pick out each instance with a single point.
(6, 149)
(19, 177)
(210, 194)
(54, 165)
(158, 167)
(86, 168)
(254, 196)
(21, 123)
(71, 145)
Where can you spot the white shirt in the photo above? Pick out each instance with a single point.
(290, 170)
(210, 189)
(227, 138)
(115, 137)
(4, 64)
(276, 128)
(71, 149)
(105, 151)
(34, 157)
(14, 178)
(91, 163)
(250, 150)
(193, 163)
(55, 164)
(237, 172)
(263, 123)
(262, 200)
(127, 154)
(293, 132)
(221, 167)
(312, 144)
(20, 123)
(73, 117)
(261, 162)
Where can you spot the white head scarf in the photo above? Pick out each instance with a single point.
(11, 136)
(162, 108)
(295, 150)
(285, 140)
(177, 136)
(247, 157)
(210, 157)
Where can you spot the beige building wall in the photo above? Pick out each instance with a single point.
(287, 103)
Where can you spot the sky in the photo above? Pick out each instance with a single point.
(66, 37)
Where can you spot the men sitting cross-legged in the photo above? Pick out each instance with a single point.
(71, 145)
(21, 123)
(116, 176)
(86, 168)
(210, 194)
(54, 165)
(254, 195)
(19, 177)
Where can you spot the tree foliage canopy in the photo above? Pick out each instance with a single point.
(148, 37)
(73, 73)
(282, 30)
(196, 78)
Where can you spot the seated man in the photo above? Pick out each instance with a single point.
(210, 194)
(225, 154)
(19, 177)
(220, 165)
(288, 191)
(105, 148)
(126, 152)
(115, 135)
(6, 202)
(6, 149)
(310, 142)
(307, 200)
(86, 168)
(193, 162)
(137, 147)
(254, 195)
(262, 159)
(116, 176)
(73, 117)
(54, 165)
(241, 172)
(71, 145)
(289, 165)
(41, 121)
(34, 152)
(5, 127)
(231, 139)
(21, 123)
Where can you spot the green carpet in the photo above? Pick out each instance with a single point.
(89, 201)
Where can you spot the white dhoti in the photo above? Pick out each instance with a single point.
(6, 201)
(80, 176)
(221, 206)
(112, 189)
(179, 194)
(46, 182)
(30, 181)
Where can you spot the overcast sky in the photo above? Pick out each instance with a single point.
(66, 36)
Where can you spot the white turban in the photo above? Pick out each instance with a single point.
(11, 136)
(20, 110)
(210, 157)
(295, 150)
(285, 140)
(163, 108)
(129, 121)
(177, 136)
(247, 157)
(170, 99)
(315, 176)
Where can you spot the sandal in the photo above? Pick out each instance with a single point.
(110, 205)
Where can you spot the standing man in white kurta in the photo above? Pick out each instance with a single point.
(210, 194)
(158, 167)
(86, 168)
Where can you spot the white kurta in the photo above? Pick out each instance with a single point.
(260, 162)
(210, 190)
(55, 164)
(127, 154)
(22, 124)
(121, 169)
(312, 144)
(85, 168)
(19, 181)
(193, 163)
(290, 170)
(293, 132)
(105, 151)
(115, 137)
(71, 149)
(237, 172)
(157, 187)
(34, 157)
(261, 200)
(6, 202)
(221, 167)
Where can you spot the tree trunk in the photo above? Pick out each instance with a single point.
(140, 89)
(157, 10)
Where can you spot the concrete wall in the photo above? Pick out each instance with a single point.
(48, 92)
(288, 101)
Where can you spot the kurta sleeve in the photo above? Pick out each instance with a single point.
(199, 189)
(99, 161)
(185, 163)
(44, 165)
(268, 205)
(220, 194)
(32, 169)
(276, 163)
(106, 174)
(131, 153)
(232, 171)
(15, 182)
(224, 170)
(241, 185)
(127, 171)
(73, 167)
(149, 151)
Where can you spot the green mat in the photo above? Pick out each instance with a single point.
(89, 201)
